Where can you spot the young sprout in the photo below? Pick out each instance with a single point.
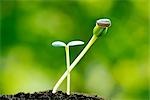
(62, 44)
(99, 30)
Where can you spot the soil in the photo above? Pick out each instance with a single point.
(48, 95)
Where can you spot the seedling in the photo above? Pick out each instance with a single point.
(62, 44)
(99, 30)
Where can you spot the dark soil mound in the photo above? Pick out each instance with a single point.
(48, 95)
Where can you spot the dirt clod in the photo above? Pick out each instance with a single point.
(48, 95)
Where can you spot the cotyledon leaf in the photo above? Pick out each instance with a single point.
(58, 44)
(74, 43)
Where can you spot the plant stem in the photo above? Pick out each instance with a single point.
(93, 39)
(68, 65)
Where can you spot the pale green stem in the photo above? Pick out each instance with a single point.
(68, 65)
(93, 39)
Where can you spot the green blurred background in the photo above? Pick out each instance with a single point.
(115, 67)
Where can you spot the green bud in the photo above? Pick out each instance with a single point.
(101, 27)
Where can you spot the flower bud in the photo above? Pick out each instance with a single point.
(103, 23)
(101, 27)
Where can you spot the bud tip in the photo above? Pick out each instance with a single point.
(103, 23)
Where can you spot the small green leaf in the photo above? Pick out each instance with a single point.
(74, 43)
(58, 44)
